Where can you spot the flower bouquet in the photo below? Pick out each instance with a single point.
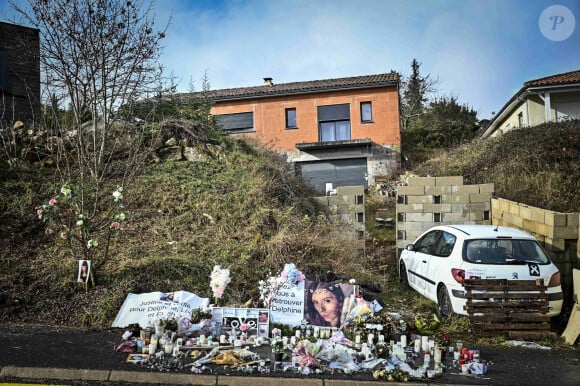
(220, 278)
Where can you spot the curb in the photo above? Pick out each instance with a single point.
(179, 379)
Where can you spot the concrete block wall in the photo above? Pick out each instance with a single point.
(428, 201)
(558, 232)
(347, 206)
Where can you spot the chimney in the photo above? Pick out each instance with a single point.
(268, 82)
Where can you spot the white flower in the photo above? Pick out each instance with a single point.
(92, 243)
(117, 195)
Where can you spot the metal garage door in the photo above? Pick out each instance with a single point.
(341, 172)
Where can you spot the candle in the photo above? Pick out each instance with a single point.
(425, 343)
(381, 339)
(357, 339)
(426, 360)
(437, 356)
(168, 348)
(316, 332)
(152, 348)
(223, 339)
(179, 342)
(403, 341)
(371, 339)
(175, 350)
(201, 339)
(456, 355)
(417, 347)
(285, 341)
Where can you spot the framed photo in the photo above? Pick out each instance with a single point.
(137, 358)
(84, 271)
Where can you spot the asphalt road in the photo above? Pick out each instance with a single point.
(77, 354)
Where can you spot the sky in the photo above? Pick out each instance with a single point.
(479, 51)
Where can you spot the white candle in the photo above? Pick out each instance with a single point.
(437, 356)
(223, 339)
(403, 341)
(316, 332)
(417, 347)
(298, 334)
(202, 339)
(370, 339)
(425, 343)
(357, 339)
(381, 338)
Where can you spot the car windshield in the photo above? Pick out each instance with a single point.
(504, 251)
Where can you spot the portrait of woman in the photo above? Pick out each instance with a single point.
(324, 302)
(84, 270)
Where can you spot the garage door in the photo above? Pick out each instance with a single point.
(342, 172)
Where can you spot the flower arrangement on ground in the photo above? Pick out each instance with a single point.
(220, 278)
(269, 288)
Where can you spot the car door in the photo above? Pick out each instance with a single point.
(418, 266)
(438, 268)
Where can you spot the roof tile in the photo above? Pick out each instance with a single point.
(564, 78)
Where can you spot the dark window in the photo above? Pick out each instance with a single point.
(359, 200)
(290, 118)
(3, 69)
(360, 217)
(366, 112)
(334, 122)
(437, 199)
(436, 217)
(238, 122)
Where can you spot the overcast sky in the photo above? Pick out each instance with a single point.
(482, 51)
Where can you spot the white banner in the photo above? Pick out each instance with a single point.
(145, 309)
(287, 307)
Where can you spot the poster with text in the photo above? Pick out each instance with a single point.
(287, 307)
(144, 309)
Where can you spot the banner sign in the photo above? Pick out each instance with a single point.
(145, 309)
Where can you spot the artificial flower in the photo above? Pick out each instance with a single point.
(220, 278)
(52, 202)
(115, 225)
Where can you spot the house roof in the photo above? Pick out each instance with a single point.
(565, 79)
(307, 87)
(558, 79)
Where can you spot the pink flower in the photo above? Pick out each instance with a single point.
(64, 235)
(116, 225)
(244, 326)
(39, 212)
(52, 202)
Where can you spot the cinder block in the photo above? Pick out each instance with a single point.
(514, 208)
(465, 189)
(412, 208)
(411, 190)
(495, 203)
(518, 222)
(568, 233)
(555, 244)
(419, 199)
(449, 218)
(538, 215)
(438, 190)
(437, 208)
(573, 219)
(421, 181)
(476, 216)
(477, 197)
(419, 217)
(350, 190)
(486, 188)
(479, 206)
(545, 230)
(455, 199)
(525, 212)
(450, 180)
(555, 219)
(530, 226)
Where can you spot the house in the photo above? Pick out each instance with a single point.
(551, 99)
(341, 131)
(19, 74)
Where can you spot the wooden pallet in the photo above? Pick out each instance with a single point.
(516, 309)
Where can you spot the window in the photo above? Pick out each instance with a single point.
(238, 122)
(291, 118)
(366, 112)
(334, 122)
(3, 69)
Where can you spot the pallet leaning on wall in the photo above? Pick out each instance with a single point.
(516, 309)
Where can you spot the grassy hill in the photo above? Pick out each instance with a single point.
(242, 207)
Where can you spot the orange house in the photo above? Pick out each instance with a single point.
(342, 131)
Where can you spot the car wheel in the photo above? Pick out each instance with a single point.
(403, 275)
(444, 302)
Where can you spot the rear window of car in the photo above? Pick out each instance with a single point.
(504, 251)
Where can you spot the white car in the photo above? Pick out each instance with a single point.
(436, 264)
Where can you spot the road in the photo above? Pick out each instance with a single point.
(78, 357)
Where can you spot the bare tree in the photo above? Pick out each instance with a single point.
(96, 55)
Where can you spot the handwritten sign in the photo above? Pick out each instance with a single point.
(145, 309)
(287, 307)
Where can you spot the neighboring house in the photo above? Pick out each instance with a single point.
(19, 74)
(342, 131)
(551, 99)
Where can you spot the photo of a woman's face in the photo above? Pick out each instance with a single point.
(326, 304)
